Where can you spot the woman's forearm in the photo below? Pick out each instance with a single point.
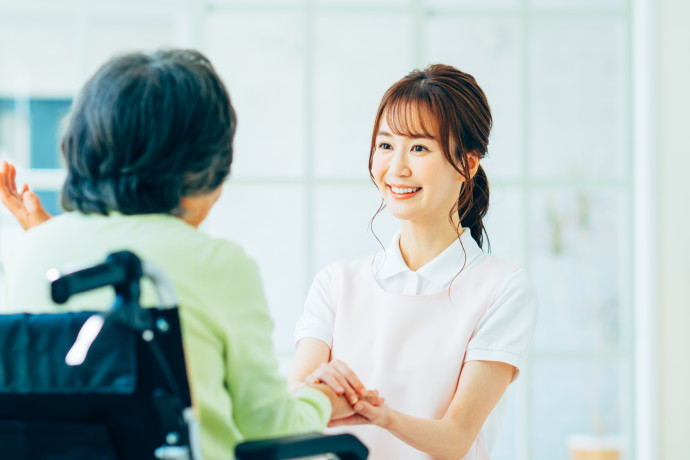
(310, 354)
(442, 439)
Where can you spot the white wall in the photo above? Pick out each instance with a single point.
(674, 214)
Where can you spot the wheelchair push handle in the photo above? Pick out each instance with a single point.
(122, 270)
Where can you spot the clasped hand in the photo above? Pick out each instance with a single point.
(367, 406)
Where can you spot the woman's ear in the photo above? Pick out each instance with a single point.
(473, 162)
(195, 208)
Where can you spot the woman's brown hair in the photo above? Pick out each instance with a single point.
(447, 104)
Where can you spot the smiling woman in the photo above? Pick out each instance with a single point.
(437, 325)
(413, 176)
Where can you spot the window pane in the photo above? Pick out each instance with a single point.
(579, 238)
(579, 120)
(574, 399)
(355, 62)
(505, 224)
(47, 116)
(38, 51)
(15, 132)
(30, 131)
(261, 58)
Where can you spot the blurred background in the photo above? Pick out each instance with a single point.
(587, 166)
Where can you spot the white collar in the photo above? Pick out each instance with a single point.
(439, 271)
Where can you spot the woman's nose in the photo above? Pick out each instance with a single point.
(399, 165)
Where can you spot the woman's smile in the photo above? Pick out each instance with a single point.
(401, 192)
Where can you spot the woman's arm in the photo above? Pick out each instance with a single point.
(311, 353)
(481, 385)
(24, 206)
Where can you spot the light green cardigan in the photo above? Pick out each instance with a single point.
(236, 390)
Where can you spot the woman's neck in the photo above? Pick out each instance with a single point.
(420, 244)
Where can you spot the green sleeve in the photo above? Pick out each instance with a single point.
(262, 405)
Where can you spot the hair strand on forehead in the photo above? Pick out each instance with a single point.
(411, 118)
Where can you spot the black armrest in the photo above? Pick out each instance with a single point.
(345, 446)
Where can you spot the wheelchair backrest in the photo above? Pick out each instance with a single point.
(128, 399)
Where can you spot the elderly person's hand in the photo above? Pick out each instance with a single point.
(25, 205)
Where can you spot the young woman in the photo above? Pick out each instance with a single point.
(147, 148)
(439, 327)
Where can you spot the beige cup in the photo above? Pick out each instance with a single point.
(595, 447)
(595, 455)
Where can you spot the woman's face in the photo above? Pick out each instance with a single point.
(415, 180)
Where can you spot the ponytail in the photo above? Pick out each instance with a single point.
(476, 206)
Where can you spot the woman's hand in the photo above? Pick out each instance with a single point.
(337, 375)
(365, 414)
(24, 206)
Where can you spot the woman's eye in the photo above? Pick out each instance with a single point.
(385, 146)
(419, 148)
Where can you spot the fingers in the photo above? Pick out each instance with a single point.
(330, 375)
(351, 377)
(12, 176)
(344, 382)
(8, 190)
(5, 180)
(374, 414)
(349, 381)
(365, 413)
(372, 397)
(8, 187)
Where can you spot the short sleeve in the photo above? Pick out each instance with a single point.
(505, 332)
(319, 312)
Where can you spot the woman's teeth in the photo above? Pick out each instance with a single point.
(404, 190)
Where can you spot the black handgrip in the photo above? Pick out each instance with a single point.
(119, 269)
(345, 446)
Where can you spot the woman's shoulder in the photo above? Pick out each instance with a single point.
(495, 267)
(336, 274)
(348, 267)
(504, 275)
(512, 280)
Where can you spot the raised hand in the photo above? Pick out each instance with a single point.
(25, 205)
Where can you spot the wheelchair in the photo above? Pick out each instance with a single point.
(113, 385)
